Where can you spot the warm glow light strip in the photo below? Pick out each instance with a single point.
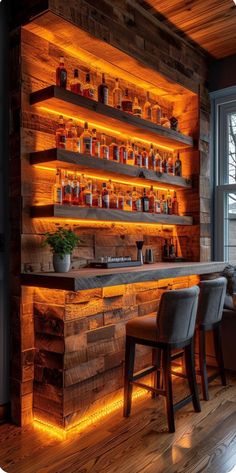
(167, 148)
(99, 178)
(87, 421)
(104, 222)
(110, 130)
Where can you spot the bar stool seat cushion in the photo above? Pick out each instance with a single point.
(143, 327)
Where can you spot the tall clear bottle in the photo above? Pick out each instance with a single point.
(147, 108)
(104, 148)
(117, 95)
(61, 133)
(88, 89)
(156, 114)
(103, 91)
(96, 151)
(57, 189)
(86, 141)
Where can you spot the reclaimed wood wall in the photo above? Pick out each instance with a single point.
(127, 26)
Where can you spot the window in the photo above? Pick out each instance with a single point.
(225, 178)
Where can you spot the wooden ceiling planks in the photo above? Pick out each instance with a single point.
(211, 23)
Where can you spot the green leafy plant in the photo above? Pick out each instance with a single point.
(62, 242)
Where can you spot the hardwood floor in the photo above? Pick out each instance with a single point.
(204, 442)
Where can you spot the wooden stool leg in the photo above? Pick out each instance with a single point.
(191, 375)
(202, 363)
(129, 370)
(219, 353)
(168, 388)
(157, 378)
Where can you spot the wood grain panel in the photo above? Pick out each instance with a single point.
(209, 23)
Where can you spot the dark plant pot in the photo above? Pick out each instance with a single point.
(61, 265)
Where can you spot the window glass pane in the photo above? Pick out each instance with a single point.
(230, 227)
(231, 137)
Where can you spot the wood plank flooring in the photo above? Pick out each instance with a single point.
(204, 442)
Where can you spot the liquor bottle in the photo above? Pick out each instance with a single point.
(159, 162)
(156, 114)
(128, 202)
(88, 195)
(147, 109)
(152, 198)
(123, 154)
(174, 123)
(75, 190)
(88, 89)
(178, 166)
(136, 201)
(83, 184)
(157, 208)
(61, 134)
(99, 199)
(75, 139)
(169, 202)
(144, 159)
(95, 195)
(103, 91)
(152, 159)
(113, 200)
(75, 84)
(175, 205)
(69, 135)
(117, 95)
(104, 149)
(171, 165)
(130, 154)
(86, 141)
(145, 201)
(164, 205)
(105, 196)
(110, 186)
(165, 122)
(165, 165)
(137, 111)
(126, 103)
(114, 151)
(121, 199)
(67, 190)
(57, 189)
(95, 144)
(137, 155)
(61, 74)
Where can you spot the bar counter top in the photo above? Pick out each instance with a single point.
(90, 278)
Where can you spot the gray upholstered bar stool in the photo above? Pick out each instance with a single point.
(209, 316)
(172, 328)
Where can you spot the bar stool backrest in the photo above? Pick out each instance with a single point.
(177, 315)
(211, 301)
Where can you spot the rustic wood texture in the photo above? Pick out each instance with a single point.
(202, 442)
(211, 25)
(63, 159)
(99, 278)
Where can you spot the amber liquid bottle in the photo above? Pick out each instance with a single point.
(103, 91)
(75, 84)
(61, 74)
(126, 103)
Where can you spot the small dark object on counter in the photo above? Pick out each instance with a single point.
(114, 264)
(174, 124)
(176, 259)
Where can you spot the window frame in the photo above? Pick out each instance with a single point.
(223, 102)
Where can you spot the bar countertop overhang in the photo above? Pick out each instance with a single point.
(90, 278)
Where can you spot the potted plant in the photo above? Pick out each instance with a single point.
(62, 243)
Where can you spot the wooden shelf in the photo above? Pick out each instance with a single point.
(106, 215)
(60, 158)
(65, 102)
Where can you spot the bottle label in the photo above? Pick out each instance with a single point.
(145, 205)
(121, 203)
(63, 78)
(115, 153)
(97, 149)
(105, 201)
(148, 113)
(138, 205)
(87, 145)
(125, 156)
(105, 152)
(137, 112)
(138, 160)
(105, 95)
(129, 203)
(76, 192)
(58, 196)
(158, 208)
(88, 200)
(145, 162)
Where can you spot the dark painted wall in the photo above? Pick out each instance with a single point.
(4, 228)
(223, 73)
